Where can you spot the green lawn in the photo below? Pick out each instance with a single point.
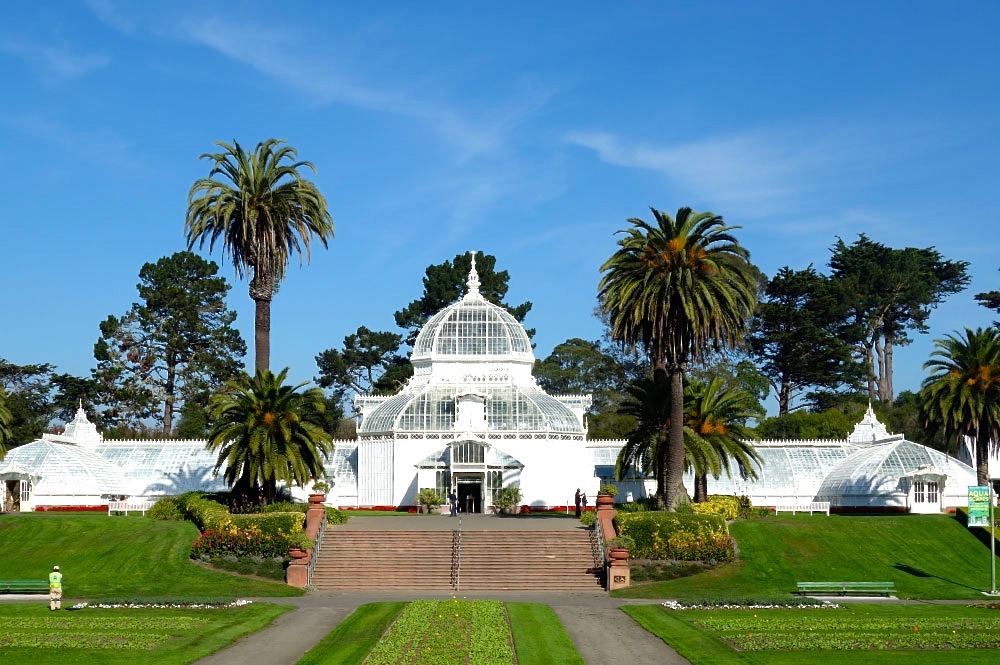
(926, 556)
(118, 557)
(823, 636)
(32, 634)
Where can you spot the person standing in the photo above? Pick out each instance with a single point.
(576, 498)
(583, 498)
(453, 502)
(55, 589)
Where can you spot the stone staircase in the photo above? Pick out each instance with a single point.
(423, 561)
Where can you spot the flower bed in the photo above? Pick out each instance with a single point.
(71, 509)
(447, 631)
(663, 535)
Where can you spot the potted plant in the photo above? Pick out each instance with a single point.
(606, 496)
(319, 490)
(298, 544)
(507, 499)
(429, 499)
(619, 547)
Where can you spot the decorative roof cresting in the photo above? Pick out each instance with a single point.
(870, 430)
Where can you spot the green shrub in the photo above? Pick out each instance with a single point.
(621, 542)
(429, 497)
(334, 516)
(588, 518)
(300, 540)
(166, 509)
(205, 513)
(271, 524)
(608, 489)
(663, 535)
(631, 507)
(507, 498)
(726, 507)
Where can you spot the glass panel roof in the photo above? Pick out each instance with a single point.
(65, 469)
(472, 327)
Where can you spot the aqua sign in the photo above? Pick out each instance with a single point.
(979, 505)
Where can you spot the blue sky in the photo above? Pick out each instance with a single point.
(529, 131)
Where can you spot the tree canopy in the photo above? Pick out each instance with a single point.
(178, 344)
(890, 293)
(801, 336)
(262, 211)
(265, 432)
(679, 287)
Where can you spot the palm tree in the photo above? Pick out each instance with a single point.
(5, 420)
(962, 395)
(262, 211)
(678, 287)
(715, 433)
(715, 423)
(267, 432)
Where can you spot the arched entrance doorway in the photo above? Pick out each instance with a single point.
(475, 470)
(15, 491)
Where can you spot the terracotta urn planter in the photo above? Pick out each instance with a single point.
(297, 553)
(605, 501)
(317, 498)
(618, 554)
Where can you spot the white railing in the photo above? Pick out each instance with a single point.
(811, 507)
(127, 506)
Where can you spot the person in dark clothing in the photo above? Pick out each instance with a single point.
(576, 498)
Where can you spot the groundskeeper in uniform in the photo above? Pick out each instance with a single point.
(55, 589)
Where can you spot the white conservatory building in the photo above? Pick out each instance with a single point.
(473, 418)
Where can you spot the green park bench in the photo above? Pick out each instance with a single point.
(24, 586)
(846, 588)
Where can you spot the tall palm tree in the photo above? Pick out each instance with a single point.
(716, 437)
(262, 210)
(961, 397)
(267, 432)
(5, 420)
(678, 287)
(715, 422)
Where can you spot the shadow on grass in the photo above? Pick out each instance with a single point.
(916, 572)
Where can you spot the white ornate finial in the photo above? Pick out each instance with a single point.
(473, 282)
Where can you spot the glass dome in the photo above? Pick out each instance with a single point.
(881, 469)
(64, 469)
(472, 327)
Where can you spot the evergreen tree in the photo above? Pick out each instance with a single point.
(178, 343)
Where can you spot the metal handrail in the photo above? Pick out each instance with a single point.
(456, 555)
(315, 551)
(602, 561)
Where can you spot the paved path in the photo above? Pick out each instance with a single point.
(601, 632)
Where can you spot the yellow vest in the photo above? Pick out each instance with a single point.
(55, 580)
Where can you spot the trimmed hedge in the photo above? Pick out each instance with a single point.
(271, 524)
(671, 536)
(726, 507)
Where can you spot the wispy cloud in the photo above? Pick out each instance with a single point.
(759, 173)
(325, 79)
(108, 13)
(53, 61)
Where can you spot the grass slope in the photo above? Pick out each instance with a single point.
(118, 557)
(926, 556)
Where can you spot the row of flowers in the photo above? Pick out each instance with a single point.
(244, 542)
(670, 536)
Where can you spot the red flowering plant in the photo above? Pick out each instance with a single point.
(239, 543)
